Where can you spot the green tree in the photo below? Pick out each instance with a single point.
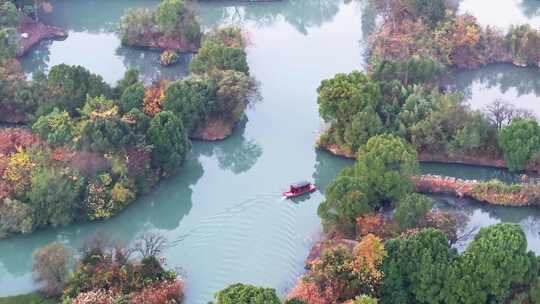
(387, 162)
(246, 294)
(169, 16)
(493, 263)
(341, 97)
(55, 196)
(9, 43)
(346, 198)
(71, 85)
(214, 55)
(474, 134)
(382, 174)
(57, 128)
(169, 139)
(411, 210)
(131, 77)
(233, 91)
(519, 142)
(132, 98)
(9, 15)
(414, 70)
(416, 268)
(431, 11)
(190, 99)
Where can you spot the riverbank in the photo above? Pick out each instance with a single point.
(214, 129)
(155, 40)
(443, 158)
(33, 32)
(491, 192)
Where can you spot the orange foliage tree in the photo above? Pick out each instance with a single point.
(153, 98)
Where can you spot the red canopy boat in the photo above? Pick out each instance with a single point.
(299, 188)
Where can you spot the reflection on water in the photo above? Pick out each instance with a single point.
(302, 15)
(515, 85)
(469, 172)
(235, 153)
(481, 215)
(504, 13)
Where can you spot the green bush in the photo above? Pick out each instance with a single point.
(519, 142)
(214, 55)
(246, 294)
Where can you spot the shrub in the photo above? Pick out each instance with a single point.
(168, 57)
(15, 217)
(57, 128)
(213, 55)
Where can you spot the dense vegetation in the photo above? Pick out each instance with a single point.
(391, 117)
(172, 26)
(408, 257)
(92, 148)
(434, 29)
(396, 99)
(107, 274)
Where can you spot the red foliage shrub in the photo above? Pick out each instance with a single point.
(138, 161)
(160, 293)
(13, 138)
(310, 292)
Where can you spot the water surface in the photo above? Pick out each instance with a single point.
(223, 213)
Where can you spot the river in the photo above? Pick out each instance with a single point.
(223, 213)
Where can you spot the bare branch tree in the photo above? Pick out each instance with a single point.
(98, 241)
(501, 113)
(150, 244)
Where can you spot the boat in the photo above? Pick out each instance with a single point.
(299, 188)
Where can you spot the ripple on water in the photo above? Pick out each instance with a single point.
(272, 252)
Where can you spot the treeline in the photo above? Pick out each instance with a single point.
(435, 30)
(403, 98)
(92, 148)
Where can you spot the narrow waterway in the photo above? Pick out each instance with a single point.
(223, 213)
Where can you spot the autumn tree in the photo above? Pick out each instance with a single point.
(51, 267)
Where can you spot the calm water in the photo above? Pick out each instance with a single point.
(223, 214)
